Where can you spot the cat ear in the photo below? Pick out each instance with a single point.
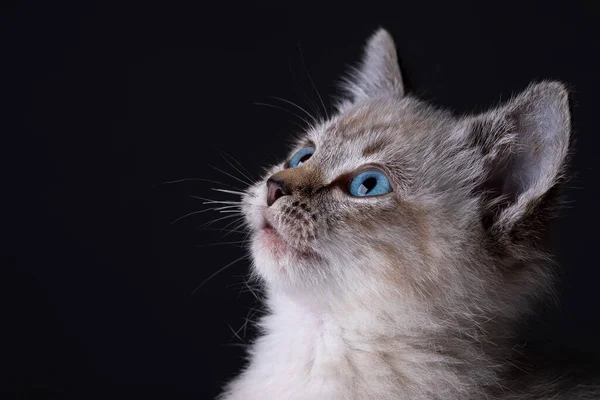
(524, 145)
(378, 75)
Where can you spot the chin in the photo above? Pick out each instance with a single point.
(276, 261)
(271, 259)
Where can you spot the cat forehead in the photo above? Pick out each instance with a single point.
(378, 128)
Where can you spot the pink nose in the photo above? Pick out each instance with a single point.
(275, 189)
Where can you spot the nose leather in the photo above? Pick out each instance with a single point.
(276, 188)
(299, 181)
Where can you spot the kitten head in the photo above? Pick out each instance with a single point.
(393, 197)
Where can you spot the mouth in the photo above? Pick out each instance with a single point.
(273, 240)
(270, 233)
(268, 227)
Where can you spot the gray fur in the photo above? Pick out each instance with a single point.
(416, 294)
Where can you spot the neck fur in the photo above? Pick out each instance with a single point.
(392, 348)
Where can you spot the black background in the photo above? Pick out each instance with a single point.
(103, 102)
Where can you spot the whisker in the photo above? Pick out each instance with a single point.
(224, 230)
(254, 311)
(245, 239)
(237, 162)
(240, 221)
(221, 243)
(216, 273)
(232, 176)
(225, 207)
(246, 233)
(235, 228)
(297, 106)
(311, 80)
(218, 219)
(251, 290)
(235, 345)
(223, 154)
(212, 201)
(243, 327)
(288, 111)
(190, 214)
(235, 333)
(299, 86)
(195, 179)
(228, 191)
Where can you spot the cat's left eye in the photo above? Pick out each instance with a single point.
(369, 183)
(301, 157)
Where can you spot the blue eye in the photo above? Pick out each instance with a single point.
(301, 157)
(370, 183)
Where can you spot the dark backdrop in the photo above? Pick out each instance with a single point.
(102, 102)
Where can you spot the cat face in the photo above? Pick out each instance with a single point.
(393, 195)
(321, 227)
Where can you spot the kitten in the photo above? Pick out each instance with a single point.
(400, 245)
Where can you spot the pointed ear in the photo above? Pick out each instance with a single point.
(378, 75)
(524, 145)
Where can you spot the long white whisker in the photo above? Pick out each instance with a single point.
(297, 106)
(225, 208)
(234, 229)
(219, 219)
(211, 201)
(299, 86)
(237, 162)
(235, 221)
(311, 80)
(245, 233)
(194, 179)
(288, 111)
(192, 213)
(232, 176)
(216, 273)
(228, 191)
(236, 168)
(221, 243)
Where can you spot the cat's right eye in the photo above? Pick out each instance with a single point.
(300, 157)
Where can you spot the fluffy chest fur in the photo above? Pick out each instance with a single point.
(359, 354)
